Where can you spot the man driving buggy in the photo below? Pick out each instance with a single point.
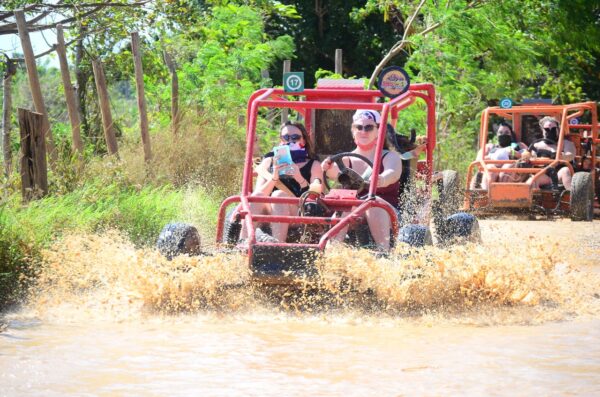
(365, 124)
(547, 147)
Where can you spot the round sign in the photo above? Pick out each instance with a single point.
(506, 103)
(294, 82)
(574, 121)
(393, 81)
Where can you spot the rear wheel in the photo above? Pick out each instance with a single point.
(447, 202)
(231, 229)
(459, 228)
(582, 197)
(449, 192)
(415, 235)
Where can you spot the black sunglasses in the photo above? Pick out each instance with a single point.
(293, 137)
(366, 128)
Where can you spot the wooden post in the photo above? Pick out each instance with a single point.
(107, 122)
(141, 97)
(338, 61)
(72, 107)
(34, 172)
(34, 81)
(175, 116)
(11, 69)
(287, 67)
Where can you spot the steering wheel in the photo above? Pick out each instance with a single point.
(348, 178)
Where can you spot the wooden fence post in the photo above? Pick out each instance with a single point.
(107, 122)
(72, 108)
(34, 172)
(175, 116)
(11, 69)
(34, 81)
(287, 67)
(338, 61)
(141, 97)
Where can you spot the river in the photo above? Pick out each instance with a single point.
(517, 316)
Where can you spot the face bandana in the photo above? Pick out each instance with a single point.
(551, 133)
(504, 140)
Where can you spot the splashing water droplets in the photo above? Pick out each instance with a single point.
(106, 277)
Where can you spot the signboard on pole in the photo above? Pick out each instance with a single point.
(293, 81)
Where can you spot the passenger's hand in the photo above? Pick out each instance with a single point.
(326, 164)
(297, 175)
(276, 168)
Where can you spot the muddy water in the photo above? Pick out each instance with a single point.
(519, 315)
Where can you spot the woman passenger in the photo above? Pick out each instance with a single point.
(273, 182)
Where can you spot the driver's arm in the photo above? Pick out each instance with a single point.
(392, 170)
(331, 168)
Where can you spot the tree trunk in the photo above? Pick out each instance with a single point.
(81, 85)
(141, 97)
(11, 69)
(34, 81)
(107, 122)
(34, 172)
(175, 116)
(69, 91)
(287, 67)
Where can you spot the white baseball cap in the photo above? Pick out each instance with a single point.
(367, 114)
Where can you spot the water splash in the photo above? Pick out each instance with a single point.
(105, 277)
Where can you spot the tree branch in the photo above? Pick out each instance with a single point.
(399, 46)
(11, 28)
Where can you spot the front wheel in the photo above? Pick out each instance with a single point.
(458, 228)
(177, 239)
(582, 197)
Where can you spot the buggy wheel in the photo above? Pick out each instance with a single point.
(177, 239)
(231, 229)
(415, 235)
(582, 197)
(449, 195)
(459, 228)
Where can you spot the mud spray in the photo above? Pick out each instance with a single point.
(104, 277)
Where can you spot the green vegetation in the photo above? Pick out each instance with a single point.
(474, 51)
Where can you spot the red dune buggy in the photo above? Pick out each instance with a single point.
(327, 114)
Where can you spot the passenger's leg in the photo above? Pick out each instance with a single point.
(543, 180)
(379, 225)
(565, 177)
(493, 177)
(509, 177)
(280, 230)
(255, 208)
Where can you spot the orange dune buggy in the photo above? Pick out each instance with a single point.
(578, 123)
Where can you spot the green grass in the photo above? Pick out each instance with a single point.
(139, 213)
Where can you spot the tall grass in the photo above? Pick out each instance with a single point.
(186, 180)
